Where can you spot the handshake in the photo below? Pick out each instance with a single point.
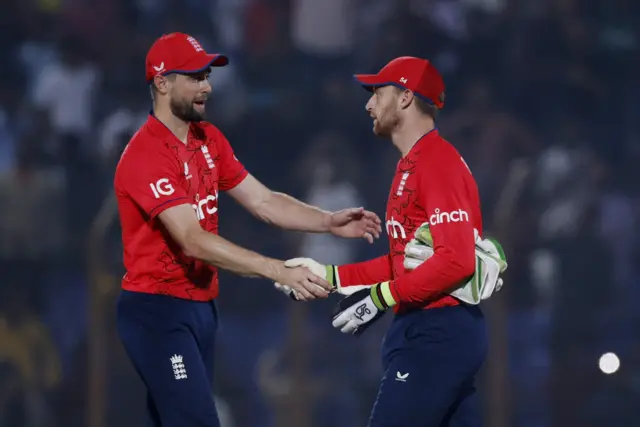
(353, 314)
(363, 304)
(322, 281)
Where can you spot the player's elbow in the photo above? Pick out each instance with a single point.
(264, 214)
(261, 207)
(461, 264)
(467, 270)
(465, 265)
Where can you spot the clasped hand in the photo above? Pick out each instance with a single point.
(362, 306)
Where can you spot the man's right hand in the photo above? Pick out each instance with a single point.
(327, 272)
(302, 283)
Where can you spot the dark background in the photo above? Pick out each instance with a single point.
(542, 101)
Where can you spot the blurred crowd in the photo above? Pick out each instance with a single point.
(543, 101)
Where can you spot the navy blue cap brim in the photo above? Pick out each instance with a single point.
(214, 60)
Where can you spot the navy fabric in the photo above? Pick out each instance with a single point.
(171, 344)
(430, 360)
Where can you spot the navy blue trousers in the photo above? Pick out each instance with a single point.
(171, 344)
(430, 360)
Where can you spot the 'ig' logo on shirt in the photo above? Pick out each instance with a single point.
(162, 187)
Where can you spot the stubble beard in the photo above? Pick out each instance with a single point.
(185, 111)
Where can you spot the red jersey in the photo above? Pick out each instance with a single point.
(157, 171)
(433, 184)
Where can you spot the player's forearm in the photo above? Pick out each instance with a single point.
(438, 275)
(221, 253)
(366, 273)
(287, 212)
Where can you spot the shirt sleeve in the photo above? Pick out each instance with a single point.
(153, 182)
(449, 212)
(366, 273)
(232, 172)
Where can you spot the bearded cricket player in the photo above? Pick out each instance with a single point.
(436, 343)
(167, 184)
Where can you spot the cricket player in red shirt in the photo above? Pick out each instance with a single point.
(436, 344)
(167, 185)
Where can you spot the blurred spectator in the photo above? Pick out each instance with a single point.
(311, 34)
(66, 89)
(488, 138)
(29, 365)
(32, 213)
(328, 170)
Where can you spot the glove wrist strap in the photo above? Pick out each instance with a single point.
(332, 275)
(381, 296)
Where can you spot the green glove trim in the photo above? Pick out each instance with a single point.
(423, 235)
(475, 288)
(332, 275)
(381, 296)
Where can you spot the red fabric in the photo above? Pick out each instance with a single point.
(156, 172)
(367, 272)
(416, 74)
(261, 27)
(179, 52)
(431, 184)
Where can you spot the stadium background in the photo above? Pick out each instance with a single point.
(542, 100)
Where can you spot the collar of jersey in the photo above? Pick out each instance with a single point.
(160, 130)
(433, 133)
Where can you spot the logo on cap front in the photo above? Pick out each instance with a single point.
(195, 44)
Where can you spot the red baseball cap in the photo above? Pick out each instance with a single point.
(407, 72)
(180, 53)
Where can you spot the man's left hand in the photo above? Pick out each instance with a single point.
(355, 313)
(355, 223)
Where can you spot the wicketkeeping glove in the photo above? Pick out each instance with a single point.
(490, 264)
(327, 272)
(355, 313)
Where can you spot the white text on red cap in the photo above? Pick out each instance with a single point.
(195, 44)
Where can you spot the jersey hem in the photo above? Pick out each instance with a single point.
(445, 301)
(195, 294)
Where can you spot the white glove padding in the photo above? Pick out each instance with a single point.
(416, 251)
(287, 291)
(484, 282)
(320, 271)
(355, 313)
(490, 263)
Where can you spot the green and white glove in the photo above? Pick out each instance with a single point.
(327, 272)
(491, 262)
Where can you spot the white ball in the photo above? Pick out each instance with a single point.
(609, 363)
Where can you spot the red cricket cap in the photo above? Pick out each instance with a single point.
(407, 72)
(180, 53)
